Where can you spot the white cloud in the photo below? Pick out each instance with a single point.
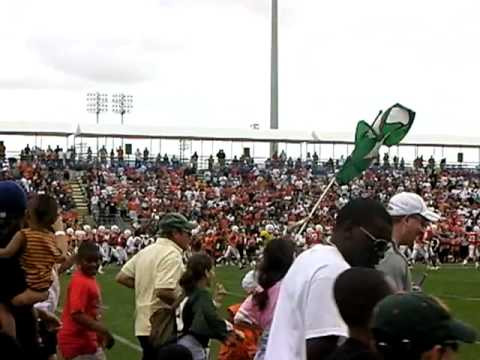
(103, 61)
(207, 61)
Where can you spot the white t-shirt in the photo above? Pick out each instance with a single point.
(131, 244)
(306, 307)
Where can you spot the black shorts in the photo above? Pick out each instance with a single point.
(27, 334)
(48, 345)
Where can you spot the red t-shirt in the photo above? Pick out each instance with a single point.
(113, 239)
(100, 238)
(122, 241)
(233, 239)
(83, 296)
(209, 243)
(472, 238)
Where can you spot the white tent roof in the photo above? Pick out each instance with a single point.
(293, 136)
(411, 140)
(38, 128)
(267, 135)
(161, 132)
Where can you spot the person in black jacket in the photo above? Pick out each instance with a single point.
(13, 204)
(357, 291)
(201, 321)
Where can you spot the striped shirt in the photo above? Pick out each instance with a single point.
(39, 256)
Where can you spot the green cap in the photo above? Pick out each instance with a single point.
(175, 221)
(420, 320)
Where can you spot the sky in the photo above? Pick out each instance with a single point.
(206, 62)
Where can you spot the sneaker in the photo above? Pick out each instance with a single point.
(477, 265)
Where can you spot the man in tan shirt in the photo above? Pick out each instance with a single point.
(154, 273)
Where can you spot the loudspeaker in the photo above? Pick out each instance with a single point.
(246, 152)
(128, 149)
(460, 157)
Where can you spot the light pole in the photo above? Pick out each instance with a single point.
(122, 104)
(97, 103)
(274, 75)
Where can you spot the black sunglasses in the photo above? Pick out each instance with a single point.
(454, 345)
(380, 245)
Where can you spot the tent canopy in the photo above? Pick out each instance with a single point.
(38, 128)
(146, 132)
(216, 134)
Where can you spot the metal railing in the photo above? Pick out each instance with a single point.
(82, 161)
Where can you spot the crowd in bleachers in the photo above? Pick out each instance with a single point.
(238, 210)
(238, 203)
(37, 177)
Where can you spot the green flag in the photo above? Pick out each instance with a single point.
(388, 129)
(394, 124)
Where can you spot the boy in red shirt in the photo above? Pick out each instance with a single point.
(83, 335)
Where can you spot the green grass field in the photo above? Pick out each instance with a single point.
(457, 286)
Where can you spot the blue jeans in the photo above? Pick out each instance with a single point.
(262, 345)
(197, 350)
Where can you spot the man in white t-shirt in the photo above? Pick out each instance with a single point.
(306, 323)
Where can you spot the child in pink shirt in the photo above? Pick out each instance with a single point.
(259, 307)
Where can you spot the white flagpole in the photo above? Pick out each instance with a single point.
(307, 219)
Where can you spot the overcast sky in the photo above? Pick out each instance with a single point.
(206, 62)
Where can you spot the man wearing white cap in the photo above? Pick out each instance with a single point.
(410, 217)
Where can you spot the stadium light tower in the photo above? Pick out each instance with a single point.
(274, 75)
(122, 104)
(97, 103)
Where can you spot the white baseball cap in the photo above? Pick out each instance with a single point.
(249, 281)
(408, 203)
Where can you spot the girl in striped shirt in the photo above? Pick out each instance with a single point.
(37, 249)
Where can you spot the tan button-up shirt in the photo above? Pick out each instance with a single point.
(158, 266)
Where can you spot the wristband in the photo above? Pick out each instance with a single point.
(60, 233)
(229, 326)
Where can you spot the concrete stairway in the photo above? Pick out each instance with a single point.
(79, 197)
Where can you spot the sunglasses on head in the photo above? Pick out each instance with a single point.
(380, 245)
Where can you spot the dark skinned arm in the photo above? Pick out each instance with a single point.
(94, 325)
(168, 296)
(67, 264)
(125, 280)
(14, 246)
(320, 348)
